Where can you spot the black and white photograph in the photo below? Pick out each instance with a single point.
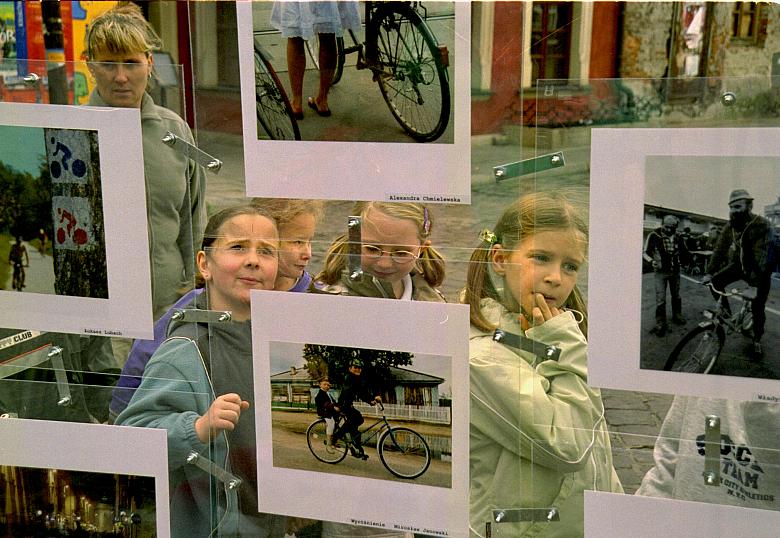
(710, 286)
(73, 215)
(691, 281)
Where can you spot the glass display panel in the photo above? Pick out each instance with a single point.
(685, 159)
(527, 134)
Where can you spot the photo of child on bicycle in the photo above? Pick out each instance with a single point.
(37, 219)
(394, 421)
(723, 313)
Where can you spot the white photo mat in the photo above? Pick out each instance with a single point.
(617, 197)
(96, 448)
(128, 310)
(616, 514)
(417, 327)
(411, 171)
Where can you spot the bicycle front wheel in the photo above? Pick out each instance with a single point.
(274, 114)
(410, 71)
(313, 48)
(404, 452)
(317, 439)
(697, 351)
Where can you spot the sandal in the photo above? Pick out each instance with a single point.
(313, 105)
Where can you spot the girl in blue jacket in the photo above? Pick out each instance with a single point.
(196, 384)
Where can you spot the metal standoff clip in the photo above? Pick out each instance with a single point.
(31, 78)
(193, 152)
(712, 450)
(205, 464)
(195, 315)
(728, 98)
(354, 267)
(514, 515)
(543, 351)
(63, 389)
(529, 166)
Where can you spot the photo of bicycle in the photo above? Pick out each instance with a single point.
(710, 296)
(377, 71)
(361, 412)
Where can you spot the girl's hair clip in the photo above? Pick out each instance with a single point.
(488, 237)
(426, 221)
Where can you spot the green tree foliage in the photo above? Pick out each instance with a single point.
(333, 361)
(25, 201)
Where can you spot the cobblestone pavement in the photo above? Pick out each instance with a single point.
(634, 419)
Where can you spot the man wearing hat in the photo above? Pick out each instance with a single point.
(663, 249)
(354, 388)
(742, 253)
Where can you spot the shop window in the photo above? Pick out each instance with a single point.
(551, 29)
(748, 25)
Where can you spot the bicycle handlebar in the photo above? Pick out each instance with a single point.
(734, 291)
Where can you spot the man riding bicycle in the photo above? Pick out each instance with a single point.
(742, 253)
(15, 256)
(354, 388)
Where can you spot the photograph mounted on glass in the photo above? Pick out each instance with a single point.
(362, 412)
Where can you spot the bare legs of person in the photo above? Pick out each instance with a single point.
(296, 65)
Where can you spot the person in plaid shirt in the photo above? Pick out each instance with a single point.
(663, 249)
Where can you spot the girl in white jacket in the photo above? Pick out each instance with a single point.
(538, 436)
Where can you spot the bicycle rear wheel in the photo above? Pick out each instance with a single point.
(410, 72)
(313, 48)
(404, 452)
(274, 113)
(316, 437)
(697, 351)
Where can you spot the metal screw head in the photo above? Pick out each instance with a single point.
(555, 159)
(214, 165)
(169, 138)
(64, 402)
(225, 316)
(192, 457)
(709, 478)
(498, 336)
(54, 351)
(728, 98)
(177, 314)
(713, 421)
(352, 222)
(233, 484)
(356, 275)
(500, 172)
(500, 516)
(551, 514)
(31, 79)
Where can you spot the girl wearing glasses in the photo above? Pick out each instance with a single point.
(398, 262)
(119, 45)
(396, 255)
(538, 434)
